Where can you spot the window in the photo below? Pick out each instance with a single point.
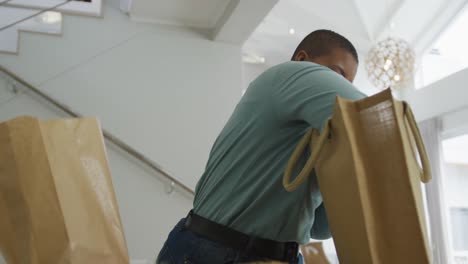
(448, 54)
(455, 184)
(459, 222)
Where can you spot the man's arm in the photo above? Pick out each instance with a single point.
(307, 92)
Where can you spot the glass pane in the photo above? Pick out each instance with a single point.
(448, 54)
(459, 228)
(455, 184)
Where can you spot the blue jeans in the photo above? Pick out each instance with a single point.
(184, 247)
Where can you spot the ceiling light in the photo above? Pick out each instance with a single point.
(253, 59)
(390, 63)
(49, 17)
(292, 31)
(387, 65)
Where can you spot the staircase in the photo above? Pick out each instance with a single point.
(44, 18)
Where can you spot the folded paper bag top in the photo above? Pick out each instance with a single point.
(56, 196)
(366, 160)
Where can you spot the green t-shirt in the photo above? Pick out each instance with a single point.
(242, 183)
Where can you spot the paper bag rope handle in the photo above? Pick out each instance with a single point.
(425, 172)
(310, 164)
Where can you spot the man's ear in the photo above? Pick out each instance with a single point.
(301, 56)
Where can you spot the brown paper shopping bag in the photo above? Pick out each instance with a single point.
(57, 203)
(369, 175)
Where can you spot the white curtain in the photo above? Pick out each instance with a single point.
(431, 133)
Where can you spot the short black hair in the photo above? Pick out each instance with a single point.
(322, 42)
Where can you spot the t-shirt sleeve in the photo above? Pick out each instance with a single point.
(307, 92)
(320, 229)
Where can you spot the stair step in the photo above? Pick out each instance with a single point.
(49, 23)
(86, 8)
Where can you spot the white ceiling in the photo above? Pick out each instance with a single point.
(262, 26)
(230, 21)
(362, 21)
(273, 41)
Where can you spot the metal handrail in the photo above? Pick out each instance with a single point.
(108, 136)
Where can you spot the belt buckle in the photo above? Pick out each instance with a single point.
(188, 219)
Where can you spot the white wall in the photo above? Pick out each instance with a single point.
(250, 72)
(165, 91)
(148, 212)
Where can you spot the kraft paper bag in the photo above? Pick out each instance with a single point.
(313, 253)
(367, 164)
(57, 203)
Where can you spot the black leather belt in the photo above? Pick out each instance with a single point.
(265, 248)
